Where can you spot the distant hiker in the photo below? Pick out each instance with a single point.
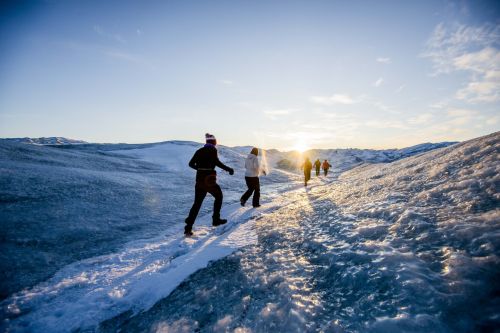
(307, 166)
(326, 166)
(204, 162)
(317, 164)
(252, 173)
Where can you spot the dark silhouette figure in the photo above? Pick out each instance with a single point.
(252, 173)
(317, 165)
(204, 162)
(326, 166)
(307, 167)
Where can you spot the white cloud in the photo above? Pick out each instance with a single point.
(385, 124)
(335, 99)
(493, 120)
(482, 62)
(439, 105)
(485, 85)
(421, 119)
(378, 82)
(382, 106)
(276, 113)
(461, 113)
(227, 82)
(370, 102)
(485, 91)
(460, 117)
(448, 43)
(384, 60)
(400, 88)
(471, 49)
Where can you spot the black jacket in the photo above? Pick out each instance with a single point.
(204, 162)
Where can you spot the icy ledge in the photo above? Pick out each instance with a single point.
(85, 293)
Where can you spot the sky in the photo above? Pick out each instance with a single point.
(272, 74)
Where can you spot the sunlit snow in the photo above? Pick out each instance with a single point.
(406, 246)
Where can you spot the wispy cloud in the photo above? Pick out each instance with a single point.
(115, 37)
(277, 113)
(470, 49)
(446, 44)
(440, 104)
(421, 119)
(110, 52)
(384, 60)
(122, 55)
(485, 91)
(493, 120)
(378, 82)
(485, 85)
(386, 124)
(461, 113)
(227, 82)
(400, 88)
(334, 99)
(460, 117)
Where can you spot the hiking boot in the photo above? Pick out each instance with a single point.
(188, 232)
(218, 221)
(242, 203)
(256, 206)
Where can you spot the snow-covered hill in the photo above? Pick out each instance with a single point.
(54, 140)
(344, 159)
(409, 246)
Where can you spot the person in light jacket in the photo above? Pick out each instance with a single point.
(252, 173)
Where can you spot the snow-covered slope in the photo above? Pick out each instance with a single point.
(406, 246)
(411, 246)
(53, 140)
(60, 204)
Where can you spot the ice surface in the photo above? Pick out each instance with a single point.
(408, 246)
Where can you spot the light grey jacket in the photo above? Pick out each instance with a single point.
(252, 166)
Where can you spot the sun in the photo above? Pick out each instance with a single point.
(300, 146)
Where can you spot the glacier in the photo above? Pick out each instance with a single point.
(391, 241)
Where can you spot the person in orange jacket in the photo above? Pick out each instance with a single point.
(326, 166)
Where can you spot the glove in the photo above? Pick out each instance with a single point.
(264, 173)
(231, 171)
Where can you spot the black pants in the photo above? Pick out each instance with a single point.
(200, 192)
(253, 185)
(325, 171)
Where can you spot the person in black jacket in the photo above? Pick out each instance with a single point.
(204, 162)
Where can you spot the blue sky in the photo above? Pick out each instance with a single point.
(275, 74)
